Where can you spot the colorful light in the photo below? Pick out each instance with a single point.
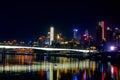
(112, 48)
(114, 69)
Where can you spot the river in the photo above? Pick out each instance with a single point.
(43, 67)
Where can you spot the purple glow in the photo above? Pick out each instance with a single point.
(84, 75)
(84, 35)
(112, 48)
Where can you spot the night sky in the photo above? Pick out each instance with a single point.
(28, 20)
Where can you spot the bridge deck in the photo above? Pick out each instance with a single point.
(47, 49)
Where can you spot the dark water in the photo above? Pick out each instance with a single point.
(39, 67)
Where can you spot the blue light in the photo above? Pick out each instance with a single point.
(47, 43)
(102, 68)
(75, 77)
(75, 30)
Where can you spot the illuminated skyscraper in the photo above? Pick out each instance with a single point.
(51, 34)
(101, 24)
(100, 36)
(103, 31)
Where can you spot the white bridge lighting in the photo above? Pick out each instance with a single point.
(47, 49)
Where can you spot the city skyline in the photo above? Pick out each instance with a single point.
(25, 21)
(60, 40)
(80, 31)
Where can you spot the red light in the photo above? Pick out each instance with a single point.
(103, 76)
(84, 75)
(41, 73)
(114, 69)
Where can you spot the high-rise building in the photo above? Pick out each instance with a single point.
(116, 37)
(98, 34)
(101, 24)
(109, 35)
(51, 35)
(48, 39)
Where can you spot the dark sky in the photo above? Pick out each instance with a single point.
(27, 20)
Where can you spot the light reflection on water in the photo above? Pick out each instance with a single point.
(39, 67)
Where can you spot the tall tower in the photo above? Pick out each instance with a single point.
(75, 33)
(101, 24)
(51, 34)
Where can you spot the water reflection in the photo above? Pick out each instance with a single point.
(58, 68)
